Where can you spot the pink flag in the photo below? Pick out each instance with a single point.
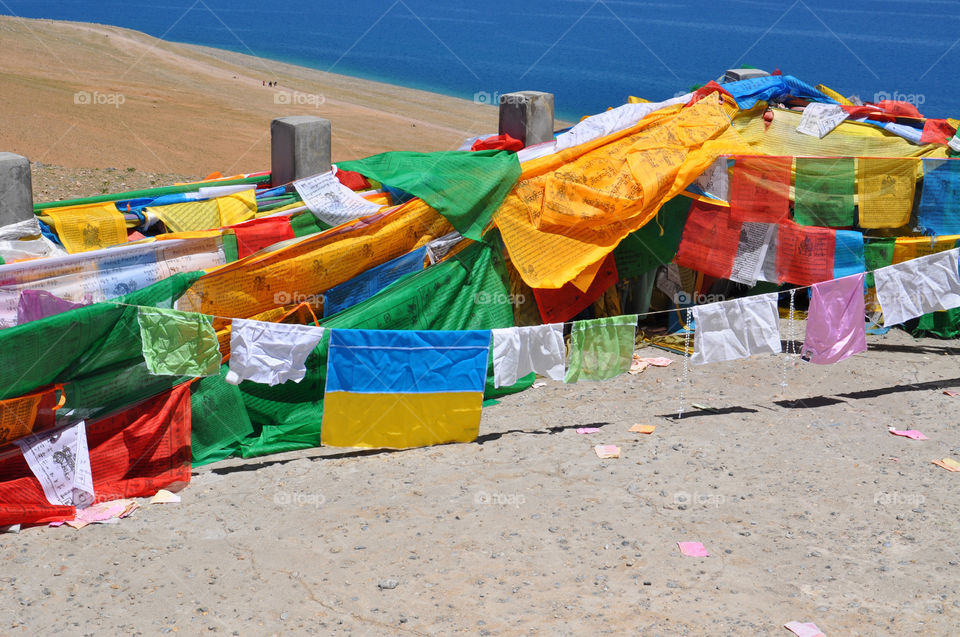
(835, 323)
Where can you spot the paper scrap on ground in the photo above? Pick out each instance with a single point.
(951, 393)
(61, 462)
(164, 497)
(332, 202)
(693, 549)
(657, 361)
(804, 629)
(819, 119)
(637, 366)
(587, 430)
(908, 433)
(607, 451)
(948, 463)
(538, 384)
(104, 513)
(643, 429)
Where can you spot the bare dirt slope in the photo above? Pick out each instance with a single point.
(92, 96)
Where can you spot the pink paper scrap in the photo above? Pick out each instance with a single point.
(659, 361)
(693, 549)
(804, 629)
(913, 434)
(588, 430)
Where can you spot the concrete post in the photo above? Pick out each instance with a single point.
(16, 189)
(299, 147)
(527, 116)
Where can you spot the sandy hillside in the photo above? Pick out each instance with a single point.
(91, 96)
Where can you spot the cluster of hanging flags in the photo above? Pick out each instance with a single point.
(380, 304)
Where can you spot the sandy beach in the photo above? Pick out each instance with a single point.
(810, 509)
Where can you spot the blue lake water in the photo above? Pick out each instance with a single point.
(590, 53)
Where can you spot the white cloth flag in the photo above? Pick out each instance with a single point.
(736, 329)
(270, 353)
(616, 119)
(517, 351)
(913, 288)
(332, 202)
(61, 462)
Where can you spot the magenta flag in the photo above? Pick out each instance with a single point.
(835, 322)
(38, 304)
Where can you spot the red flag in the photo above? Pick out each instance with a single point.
(562, 304)
(352, 180)
(899, 108)
(133, 453)
(937, 131)
(760, 189)
(498, 142)
(805, 253)
(144, 449)
(257, 234)
(710, 240)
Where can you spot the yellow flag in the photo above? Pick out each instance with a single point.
(885, 189)
(88, 227)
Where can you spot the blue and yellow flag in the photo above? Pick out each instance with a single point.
(402, 389)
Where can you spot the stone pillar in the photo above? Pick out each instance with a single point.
(16, 190)
(527, 116)
(299, 147)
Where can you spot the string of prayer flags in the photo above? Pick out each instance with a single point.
(913, 288)
(885, 187)
(517, 351)
(401, 389)
(734, 329)
(270, 353)
(178, 343)
(939, 210)
(823, 192)
(601, 348)
(710, 240)
(760, 188)
(835, 321)
(88, 227)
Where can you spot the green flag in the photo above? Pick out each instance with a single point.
(877, 253)
(465, 187)
(824, 192)
(178, 343)
(601, 348)
(647, 248)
